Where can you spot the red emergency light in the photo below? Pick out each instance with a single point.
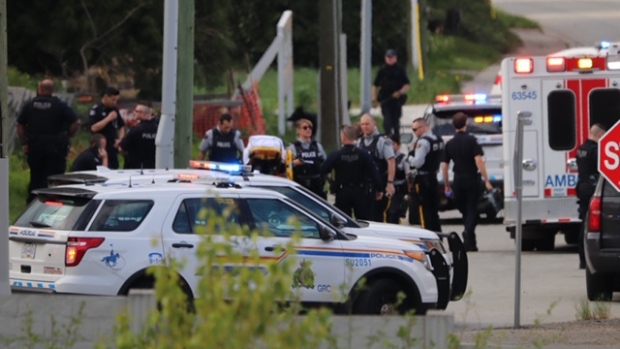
(442, 98)
(556, 64)
(524, 65)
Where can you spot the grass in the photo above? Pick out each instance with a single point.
(513, 21)
(598, 310)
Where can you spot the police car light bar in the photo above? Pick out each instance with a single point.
(472, 98)
(219, 166)
(524, 65)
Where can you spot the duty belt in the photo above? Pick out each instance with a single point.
(357, 185)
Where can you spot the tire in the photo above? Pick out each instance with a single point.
(547, 243)
(599, 286)
(528, 245)
(491, 214)
(571, 236)
(380, 298)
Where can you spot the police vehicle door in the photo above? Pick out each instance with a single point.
(189, 219)
(319, 266)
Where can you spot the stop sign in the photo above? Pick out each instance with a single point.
(609, 156)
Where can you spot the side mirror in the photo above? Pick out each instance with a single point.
(337, 221)
(326, 234)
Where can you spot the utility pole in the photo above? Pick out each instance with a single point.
(164, 143)
(185, 85)
(366, 55)
(329, 38)
(5, 288)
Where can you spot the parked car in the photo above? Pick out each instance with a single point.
(602, 242)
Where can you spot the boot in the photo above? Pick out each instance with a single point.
(469, 242)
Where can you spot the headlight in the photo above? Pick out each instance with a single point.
(419, 256)
(435, 243)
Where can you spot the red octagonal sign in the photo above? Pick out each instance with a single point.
(609, 156)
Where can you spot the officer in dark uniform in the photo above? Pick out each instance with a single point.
(139, 142)
(428, 151)
(587, 165)
(308, 156)
(223, 142)
(353, 170)
(382, 153)
(45, 126)
(392, 84)
(105, 118)
(94, 156)
(397, 207)
(463, 149)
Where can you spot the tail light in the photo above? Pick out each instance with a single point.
(77, 247)
(594, 214)
(498, 79)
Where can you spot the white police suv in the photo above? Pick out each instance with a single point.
(98, 239)
(203, 171)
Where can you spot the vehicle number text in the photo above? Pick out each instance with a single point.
(524, 95)
(357, 262)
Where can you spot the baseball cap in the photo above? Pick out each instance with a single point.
(390, 53)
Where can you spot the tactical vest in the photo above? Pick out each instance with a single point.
(586, 164)
(350, 166)
(433, 157)
(223, 148)
(400, 176)
(374, 155)
(312, 161)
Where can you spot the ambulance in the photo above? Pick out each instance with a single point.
(565, 96)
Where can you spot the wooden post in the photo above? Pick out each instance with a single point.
(183, 130)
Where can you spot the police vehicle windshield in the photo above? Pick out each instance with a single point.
(481, 121)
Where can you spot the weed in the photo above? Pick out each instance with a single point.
(586, 311)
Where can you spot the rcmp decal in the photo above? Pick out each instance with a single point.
(156, 258)
(304, 276)
(114, 261)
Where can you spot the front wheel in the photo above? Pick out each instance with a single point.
(386, 297)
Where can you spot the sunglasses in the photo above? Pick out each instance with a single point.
(307, 127)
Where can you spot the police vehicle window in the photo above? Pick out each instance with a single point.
(604, 106)
(302, 200)
(121, 215)
(480, 121)
(276, 218)
(609, 191)
(561, 119)
(193, 216)
(59, 213)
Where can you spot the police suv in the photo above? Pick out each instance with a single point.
(99, 239)
(209, 172)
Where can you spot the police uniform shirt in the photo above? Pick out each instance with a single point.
(306, 146)
(88, 160)
(384, 149)
(354, 164)
(45, 118)
(422, 148)
(587, 161)
(462, 149)
(110, 131)
(389, 79)
(139, 142)
(207, 141)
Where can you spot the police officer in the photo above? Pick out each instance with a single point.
(105, 118)
(138, 145)
(44, 126)
(382, 153)
(94, 156)
(428, 150)
(463, 149)
(223, 142)
(397, 204)
(308, 156)
(390, 91)
(354, 169)
(587, 165)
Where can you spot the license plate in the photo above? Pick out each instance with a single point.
(28, 251)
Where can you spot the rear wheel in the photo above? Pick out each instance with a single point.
(528, 245)
(599, 286)
(547, 243)
(381, 297)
